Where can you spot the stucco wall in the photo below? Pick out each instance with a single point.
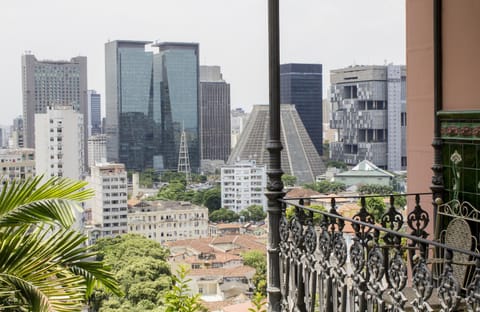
(461, 54)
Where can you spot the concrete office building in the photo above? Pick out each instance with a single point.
(302, 86)
(369, 114)
(16, 139)
(94, 113)
(242, 185)
(150, 98)
(60, 143)
(47, 83)
(97, 149)
(109, 206)
(215, 114)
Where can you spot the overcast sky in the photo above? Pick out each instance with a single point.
(232, 34)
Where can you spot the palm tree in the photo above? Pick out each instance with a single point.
(44, 263)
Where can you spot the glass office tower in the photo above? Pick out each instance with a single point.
(131, 123)
(176, 80)
(150, 98)
(301, 85)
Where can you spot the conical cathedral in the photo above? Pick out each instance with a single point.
(299, 156)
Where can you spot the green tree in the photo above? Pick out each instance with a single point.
(212, 199)
(223, 215)
(148, 177)
(257, 260)
(376, 206)
(289, 180)
(141, 268)
(178, 298)
(326, 187)
(290, 212)
(44, 264)
(253, 213)
(375, 189)
(172, 191)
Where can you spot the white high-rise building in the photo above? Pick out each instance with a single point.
(109, 206)
(59, 134)
(97, 149)
(242, 185)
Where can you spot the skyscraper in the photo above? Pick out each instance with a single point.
(149, 99)
(131, 114)
(301, 85)
(215, 114)
(94, 113)
(176, 80)
(369, 114)
(47, 83)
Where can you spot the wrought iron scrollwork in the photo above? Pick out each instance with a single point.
(392, 220)
(362, 232)
(449, 289)
(423, 285)
(324, 267)
(473, 291)
(418, 220)
(397, 278)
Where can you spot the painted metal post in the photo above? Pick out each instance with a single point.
(437, 186)
(274, 172)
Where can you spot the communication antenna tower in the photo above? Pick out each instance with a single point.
(183, 158)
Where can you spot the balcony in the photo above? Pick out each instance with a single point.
(329, 262)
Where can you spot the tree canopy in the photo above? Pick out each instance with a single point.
(257, 260)
(326, 187)
(289, 180)
(223, 215)
(253, 213)
(141, 268)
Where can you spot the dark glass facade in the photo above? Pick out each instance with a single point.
(150, 99)
(130, 123)
(177, 80)
(301, 85)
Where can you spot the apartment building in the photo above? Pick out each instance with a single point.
(242, 185)
(165, 221)
(109, 206)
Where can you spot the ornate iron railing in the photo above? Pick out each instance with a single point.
(377, 265)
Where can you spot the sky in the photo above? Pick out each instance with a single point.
(231, 34)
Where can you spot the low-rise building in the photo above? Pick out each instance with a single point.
(165, 221)
(365, 173)
(17, 163)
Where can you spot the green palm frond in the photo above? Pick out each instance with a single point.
(30, 202)
(49, 269)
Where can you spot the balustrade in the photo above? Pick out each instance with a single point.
(335, 263)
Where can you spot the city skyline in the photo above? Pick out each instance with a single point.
(227, 32)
